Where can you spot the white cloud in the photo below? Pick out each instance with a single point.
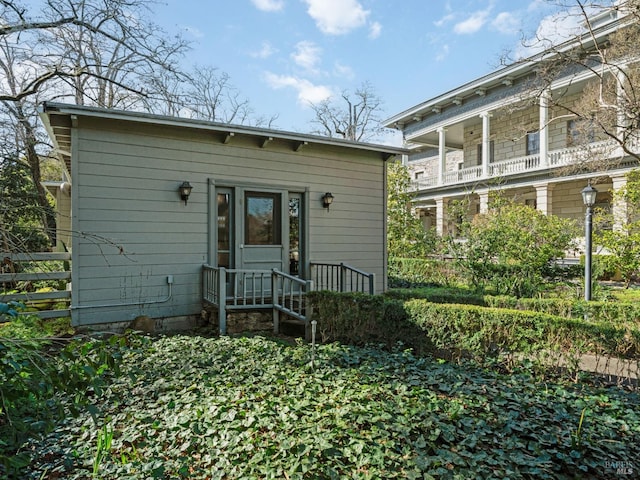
(374, 30)
(337, 17)
(443, 53)
(443, 20)
(536, 5)
(506, 23)
(552, 30)
(307, 55)
(472, 24)
(307, 92)
(343, 71)
(265, 51)
(269, 5)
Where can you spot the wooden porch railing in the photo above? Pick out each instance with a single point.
(235, 289)
(288, 293)
(38, 271)
(340, 277)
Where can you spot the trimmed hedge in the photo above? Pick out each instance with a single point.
(466, 330)
(482, 331)
(617, 313)
(360, 319)
(439, 295)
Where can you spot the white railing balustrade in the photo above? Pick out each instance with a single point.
(514, 165)
(603, 150)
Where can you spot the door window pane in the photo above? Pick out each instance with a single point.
(262, 219)
(294, 235)
(224, 230)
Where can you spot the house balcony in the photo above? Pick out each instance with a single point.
(531, 164)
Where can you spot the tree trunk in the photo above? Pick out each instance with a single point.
(28, 133)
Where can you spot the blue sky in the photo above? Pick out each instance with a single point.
(282, 54)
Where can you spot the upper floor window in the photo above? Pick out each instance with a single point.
(418, 175)
(533, 143)
(580, 131)
(491, 148)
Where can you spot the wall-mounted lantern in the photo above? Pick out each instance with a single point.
(327, 200)
(185, 190)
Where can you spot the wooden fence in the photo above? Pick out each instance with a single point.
(13, 273)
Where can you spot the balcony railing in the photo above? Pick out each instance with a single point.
(530, 163)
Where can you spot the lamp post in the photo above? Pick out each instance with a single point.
(589, 198)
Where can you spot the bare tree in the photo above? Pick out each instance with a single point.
(205, 93)
(212, 97)
(608, 107)
(91, 51)
(352, 116)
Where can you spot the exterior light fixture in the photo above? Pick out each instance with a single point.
(185, 190)
(589, 198)
(327, 200)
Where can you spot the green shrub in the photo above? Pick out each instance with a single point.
(438, 295)
(414, 272)
(616, 313)
(33, 379)
(485, 334)
(359, 319)
(482, 332)
(508, 248)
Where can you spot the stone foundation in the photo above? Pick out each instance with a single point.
(147, 325)
(239, 321)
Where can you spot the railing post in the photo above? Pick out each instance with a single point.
(342, 279)
(274, 301)
(372, 284)
(222, 301)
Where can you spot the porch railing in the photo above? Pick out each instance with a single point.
(235, 289)
(340, 277)
(530, 163)
(514, 165)
(288, 294)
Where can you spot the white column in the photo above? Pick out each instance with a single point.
(441, 205)
(544, 198)
(486, 142)
(442, 155)
(544, 130)
(483, 196)
(619, 205)
(621, 100)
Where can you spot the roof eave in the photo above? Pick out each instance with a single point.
(48, 108)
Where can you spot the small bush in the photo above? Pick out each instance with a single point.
(417, 272)
(359, 319)
(438, 295)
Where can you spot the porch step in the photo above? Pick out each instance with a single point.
(292, 327)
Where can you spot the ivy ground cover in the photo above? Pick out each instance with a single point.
(214, 408)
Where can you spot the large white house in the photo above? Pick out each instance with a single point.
(504, 132)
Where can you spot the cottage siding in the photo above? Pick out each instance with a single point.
(138, 231)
